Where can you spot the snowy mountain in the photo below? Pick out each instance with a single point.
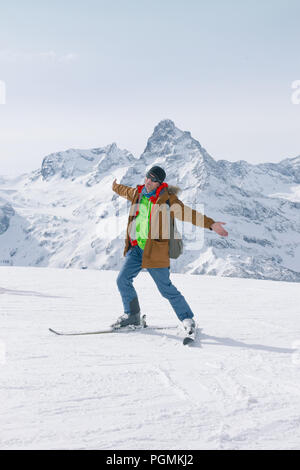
(66, 215)
(74, 163)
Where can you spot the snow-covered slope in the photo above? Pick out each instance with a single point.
(6, 212)
(66, 215)
(237, 388)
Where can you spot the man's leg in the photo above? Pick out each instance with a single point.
(161, 276)
(129, 270)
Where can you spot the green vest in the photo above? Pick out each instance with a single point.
(143, 221)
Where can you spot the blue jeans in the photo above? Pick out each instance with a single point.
(161, 276)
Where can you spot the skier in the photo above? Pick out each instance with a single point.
(146, 246)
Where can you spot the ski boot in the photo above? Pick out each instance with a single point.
(131, 320)
(189, 326)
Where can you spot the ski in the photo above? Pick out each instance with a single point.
(110, 330)
(188, 340)
(189, 336)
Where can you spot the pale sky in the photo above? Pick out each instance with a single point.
(84, 74)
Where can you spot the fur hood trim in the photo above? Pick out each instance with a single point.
(173, 189)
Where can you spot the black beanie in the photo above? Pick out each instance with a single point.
(158, 172)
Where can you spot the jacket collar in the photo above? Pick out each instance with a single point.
(159, 190)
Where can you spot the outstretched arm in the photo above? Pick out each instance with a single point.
(124, 191)
(186, 214)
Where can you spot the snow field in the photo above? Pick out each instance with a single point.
(236, 388)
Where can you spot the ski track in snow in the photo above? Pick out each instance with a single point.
(237, 387)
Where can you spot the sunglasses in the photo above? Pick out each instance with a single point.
(152, 178)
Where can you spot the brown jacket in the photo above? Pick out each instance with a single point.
(156, 252)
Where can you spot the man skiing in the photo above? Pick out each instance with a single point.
(147, 244)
